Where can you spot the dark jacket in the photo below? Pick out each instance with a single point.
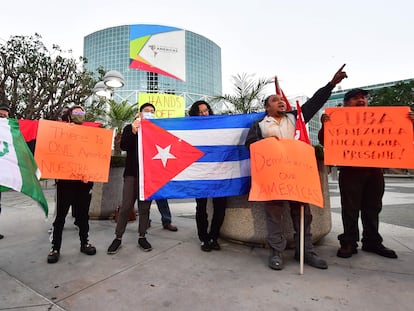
(309, 109)
(129, 143)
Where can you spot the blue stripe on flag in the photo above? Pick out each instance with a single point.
(203, 188)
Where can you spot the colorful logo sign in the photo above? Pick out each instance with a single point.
(158, 49)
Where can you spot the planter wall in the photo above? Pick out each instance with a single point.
(106, 197)
(245, 221)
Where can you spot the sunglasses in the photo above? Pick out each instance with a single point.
(78, 112)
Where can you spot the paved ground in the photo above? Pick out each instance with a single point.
(398, 201)
(176, 275)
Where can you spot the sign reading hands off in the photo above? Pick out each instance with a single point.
(369, 137)
(74, 152)
(284, 169)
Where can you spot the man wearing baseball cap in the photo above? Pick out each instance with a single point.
(4, 111)
(361, 189)
(355, 93)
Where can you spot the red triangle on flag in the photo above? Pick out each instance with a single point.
(163, 156)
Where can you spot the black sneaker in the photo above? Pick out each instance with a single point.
(114, 247)
(88, 249)
(144, 244)
(214, 245)
(53, 256)
(1, 236)
(205, 247)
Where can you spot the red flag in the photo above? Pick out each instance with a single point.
(301, 132)
(280, 93)
(162, 156)
(28, 128)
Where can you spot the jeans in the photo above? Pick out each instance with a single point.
(164, 210)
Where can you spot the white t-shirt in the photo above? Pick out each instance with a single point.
(270, 127)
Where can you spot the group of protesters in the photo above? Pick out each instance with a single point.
(361, 188)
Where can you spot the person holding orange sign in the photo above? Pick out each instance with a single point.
(75, 193)
(280, 123)
(361, 189)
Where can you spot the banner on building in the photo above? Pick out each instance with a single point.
(158, 49)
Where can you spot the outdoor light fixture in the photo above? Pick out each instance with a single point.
(114, 79)
(101, 90)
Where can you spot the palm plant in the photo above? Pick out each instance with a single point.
(119, 114)
(248, 94)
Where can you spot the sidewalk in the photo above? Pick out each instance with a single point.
(177, 275)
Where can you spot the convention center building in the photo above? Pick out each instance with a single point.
(157, 59)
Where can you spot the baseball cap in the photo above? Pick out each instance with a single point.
(4, 107)
(354, 92)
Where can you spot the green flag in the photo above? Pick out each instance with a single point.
(18, 169)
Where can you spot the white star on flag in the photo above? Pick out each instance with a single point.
(163, 154)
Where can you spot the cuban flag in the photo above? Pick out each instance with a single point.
(194, 157)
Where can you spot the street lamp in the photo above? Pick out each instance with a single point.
(113, 79)
(101, 90)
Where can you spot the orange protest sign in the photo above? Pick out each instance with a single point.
(75, 152)
(369, 137)
(284, 169)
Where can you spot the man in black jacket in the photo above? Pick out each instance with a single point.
(362, 189)
(282, 124)
(129, 143)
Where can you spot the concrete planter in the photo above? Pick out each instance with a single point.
(106, 197)
(245, 221)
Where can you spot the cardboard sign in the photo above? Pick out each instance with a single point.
(284, 169)
(369, 137)
(166, 105)
(75, 152)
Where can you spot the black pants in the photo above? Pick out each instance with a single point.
(219, 210)
(361, 191)
(78, 195)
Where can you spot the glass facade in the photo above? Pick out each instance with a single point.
(110, 49)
